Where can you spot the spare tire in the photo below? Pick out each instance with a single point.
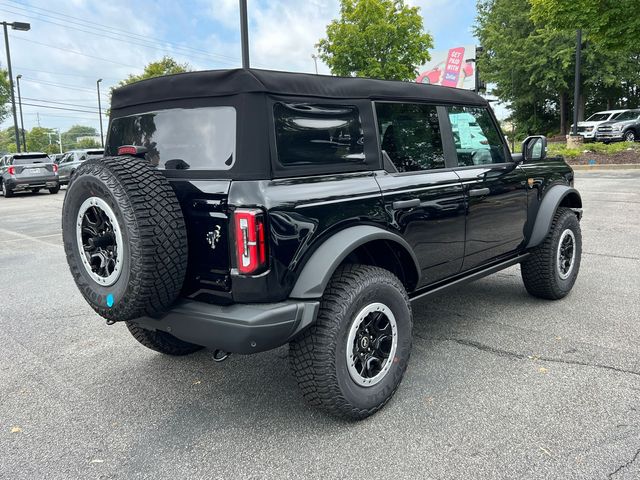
(124, 237)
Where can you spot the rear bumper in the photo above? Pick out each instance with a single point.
(17, 184)
(238, 328)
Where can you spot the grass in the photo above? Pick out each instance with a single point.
(555, 149)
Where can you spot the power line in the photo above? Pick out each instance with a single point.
(59, 103)
(64, 74)
(92, 117)
(62, 85)
(58, 108)
(74, 52)
(102, 31)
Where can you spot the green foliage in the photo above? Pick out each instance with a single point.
(165, 66)
(377, 39)
(5, 96)
(560, 149)
(88, 143)
(70, 137)
(531, 62)
(39, 139)
(614, 24)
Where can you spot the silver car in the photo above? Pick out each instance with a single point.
(71, 160)
(30, 171)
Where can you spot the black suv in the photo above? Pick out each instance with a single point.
(244, 209)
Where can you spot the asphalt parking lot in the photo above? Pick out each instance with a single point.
(500, 385)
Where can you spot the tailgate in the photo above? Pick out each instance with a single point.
(204, 205)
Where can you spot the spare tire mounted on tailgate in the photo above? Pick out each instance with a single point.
(124, 237)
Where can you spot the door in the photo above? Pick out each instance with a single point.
(494, 186)
(423, 199)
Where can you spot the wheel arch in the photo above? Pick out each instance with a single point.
(365, 244)
(557, 196)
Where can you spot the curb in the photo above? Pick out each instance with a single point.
(613, 166)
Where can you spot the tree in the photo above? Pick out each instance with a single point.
(531, 67)
(40, 139)
(88, 143)
(614, 24)
(70, 137)
(376, 38)
(165, 66)
(5, 95)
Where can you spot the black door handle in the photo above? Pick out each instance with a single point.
(399, 205)
(479, 192)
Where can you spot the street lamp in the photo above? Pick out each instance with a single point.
(22, 27)
(315, 61)
(24, 140)
(100, 112)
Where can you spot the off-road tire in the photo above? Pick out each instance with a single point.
(539, 270)
(161, 341)
(318, 355)
(153, 231)
(5, 191)
(54, 190)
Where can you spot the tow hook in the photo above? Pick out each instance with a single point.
(220, 355)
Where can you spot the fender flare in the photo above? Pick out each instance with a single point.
(548, 207)
(317, 272)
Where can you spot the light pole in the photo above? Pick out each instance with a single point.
(315, 61)
(244, 33)
(15, 26)
(576, 91)
(100, 112)
(24, 140)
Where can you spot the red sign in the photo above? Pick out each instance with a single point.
(453, 66)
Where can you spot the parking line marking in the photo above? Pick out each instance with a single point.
(22, 236)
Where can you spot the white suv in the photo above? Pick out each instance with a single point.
(588, 128)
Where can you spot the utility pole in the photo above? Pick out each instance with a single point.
(244, 33)
(99, 113)
(576, 91)
(24, 140)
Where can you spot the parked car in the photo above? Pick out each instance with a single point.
(588, 127)
(72, 160)
(30, 171)
(56, 157)
(245, 209)
(625, 126)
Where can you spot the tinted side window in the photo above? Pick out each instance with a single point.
(308, 134)
(475, 136)
(410, 136)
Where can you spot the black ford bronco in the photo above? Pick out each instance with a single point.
(244, 209)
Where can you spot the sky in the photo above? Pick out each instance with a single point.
(74, 43)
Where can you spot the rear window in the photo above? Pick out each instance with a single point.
(28, 159)
(180, 138)
(309, 134)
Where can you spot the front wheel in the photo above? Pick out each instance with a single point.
(352, 360)
(54, 190)
(630, 136)
(552, 267)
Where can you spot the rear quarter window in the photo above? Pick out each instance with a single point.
(314, 135)
(179, 138)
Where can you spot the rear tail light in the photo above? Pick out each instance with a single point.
(55, 168)
(11, 170)
(251, 245)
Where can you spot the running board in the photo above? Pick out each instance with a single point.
(467, 278)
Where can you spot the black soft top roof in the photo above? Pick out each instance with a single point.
(219, 83)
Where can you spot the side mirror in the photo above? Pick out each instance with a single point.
(534, 148)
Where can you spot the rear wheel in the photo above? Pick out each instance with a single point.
(161, 341)
(351, 361)
(5, 190)
(552, 267)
